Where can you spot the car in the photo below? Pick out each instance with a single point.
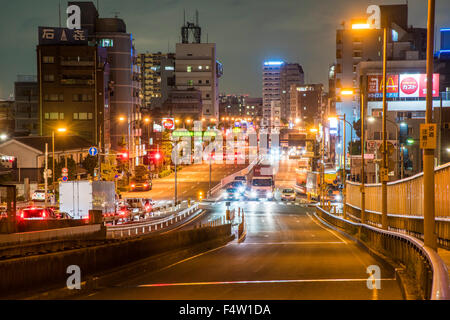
(239, 185)
(288, 194)
(241, 178)
(145, 185)
(36, 213)
(232, 193)
(39, 195)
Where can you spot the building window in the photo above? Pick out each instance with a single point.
(207, 81)
(75, 116)
(200, 67)
(200, 81)
(207, 95)
(61, 116)
(207, 67)
(48, 59)
(82, 98)
(54, 97)
(189, 68)
(49, 77)
(190, 82)
(54, 116)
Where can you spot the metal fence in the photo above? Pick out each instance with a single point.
(405, 197)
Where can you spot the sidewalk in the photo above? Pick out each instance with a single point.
(445, 255)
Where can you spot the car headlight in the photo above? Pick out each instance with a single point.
(253, 194)
(338, 198)
(269, 194)
(241, 189)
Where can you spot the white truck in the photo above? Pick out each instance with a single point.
(262, 183)
(76, 198)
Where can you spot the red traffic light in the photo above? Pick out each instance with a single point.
(157, 156)
(124, 155)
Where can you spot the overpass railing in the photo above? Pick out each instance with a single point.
(421, 263)
(405, 204)
(405, 197)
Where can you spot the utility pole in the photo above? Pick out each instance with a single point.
(46, 175)
(428, 154)
(344, 211)
(384, 175)
(53, 159)
(363, 191)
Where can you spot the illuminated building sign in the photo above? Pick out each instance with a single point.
(401, 86)
(273, 63)
(52, 36)
(415, 85)
(193, 134)
(375, 86)
(106, 43)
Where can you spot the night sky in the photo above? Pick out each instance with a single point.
(246, 32)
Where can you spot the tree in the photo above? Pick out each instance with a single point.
(354, 147)
(141, 172)
(90, 163)
(166, 146)
(357, 128)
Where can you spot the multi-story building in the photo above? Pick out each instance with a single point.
(271, 89)
(290, 73)
(196, 67)
(124, 107)
(184, 105)
(26, 115)
(362, 40)
(157, 78)
(72, 90)
(306, 103)
(275, 114)
(6, 119)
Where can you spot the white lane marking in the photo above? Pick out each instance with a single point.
(254, 282)
(293, 243)
(193, 257)
(330, 231)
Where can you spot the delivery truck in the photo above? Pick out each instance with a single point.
(262, 183)
(76, 198)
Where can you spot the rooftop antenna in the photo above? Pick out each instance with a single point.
(59, 13)
(116, 14)
(196, 17)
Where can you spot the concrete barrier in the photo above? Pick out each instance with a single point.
(37, 225)
(93, 231)
(44, 271)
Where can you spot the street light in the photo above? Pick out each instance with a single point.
(3, 136)
(60, 130)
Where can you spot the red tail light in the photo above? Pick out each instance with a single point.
(44, 214)
(21, 215)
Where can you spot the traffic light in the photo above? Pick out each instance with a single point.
(124, 156)
(410, 141)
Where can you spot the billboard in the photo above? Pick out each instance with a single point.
(415, 85)
(375, 86)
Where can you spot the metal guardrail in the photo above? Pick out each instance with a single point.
(128, 230)
(406, 249)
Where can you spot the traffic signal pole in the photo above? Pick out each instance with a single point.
(428, 154)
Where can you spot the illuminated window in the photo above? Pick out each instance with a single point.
(190, 82)
(48, 59)
(189, 68)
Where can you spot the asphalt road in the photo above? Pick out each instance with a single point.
(191, 180)
(286, 255)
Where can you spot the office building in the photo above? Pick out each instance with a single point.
(184, 104)
(6, 119)
(306, 103)
(125, 119)
(26, 115)
(72, 80)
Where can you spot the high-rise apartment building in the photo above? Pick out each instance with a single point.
(157, 78)
(290, 74)
(271, 89)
